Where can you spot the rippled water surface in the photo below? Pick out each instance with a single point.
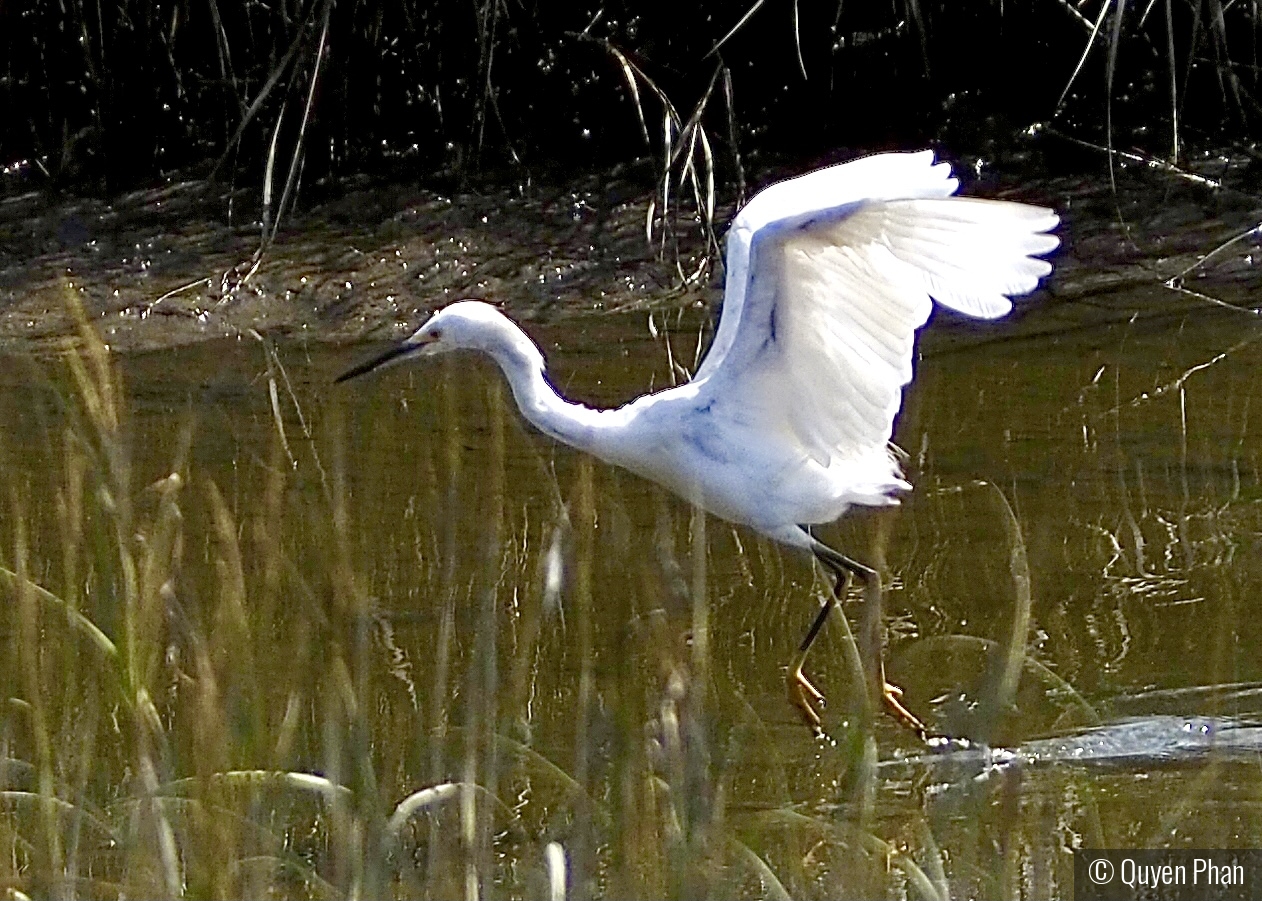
(395, 585)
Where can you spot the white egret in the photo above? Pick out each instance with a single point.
(788, 420)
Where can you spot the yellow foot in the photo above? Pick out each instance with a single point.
(893, 696)
(804, 696)
(809, 700)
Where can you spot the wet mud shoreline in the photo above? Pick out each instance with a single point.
(172, 266)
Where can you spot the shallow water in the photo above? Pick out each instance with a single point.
(427, 593)
(396, 586)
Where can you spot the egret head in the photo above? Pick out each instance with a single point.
(464, 325)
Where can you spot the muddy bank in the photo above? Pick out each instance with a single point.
(168, 267)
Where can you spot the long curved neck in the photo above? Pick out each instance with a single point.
(574, 424)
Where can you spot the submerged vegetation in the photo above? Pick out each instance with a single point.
(204, 698)
(283, 645)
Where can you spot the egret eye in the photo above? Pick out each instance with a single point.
(436, 335)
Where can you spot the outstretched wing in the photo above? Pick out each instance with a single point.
(828, 277)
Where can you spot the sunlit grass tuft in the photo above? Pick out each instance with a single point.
(195, 706)
(304, 643)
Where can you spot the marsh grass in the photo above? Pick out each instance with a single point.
(388, 644)
(204, 695)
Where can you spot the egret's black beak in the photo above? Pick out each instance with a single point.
(380, 360)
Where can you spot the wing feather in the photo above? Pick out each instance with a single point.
(829, 277)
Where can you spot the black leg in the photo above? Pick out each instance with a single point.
(824, 610)
(803, 694)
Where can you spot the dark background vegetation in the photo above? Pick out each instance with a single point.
(104, 95)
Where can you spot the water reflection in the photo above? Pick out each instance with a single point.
(401, 590)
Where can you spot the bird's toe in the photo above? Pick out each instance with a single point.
(805, 697)
(893, 696)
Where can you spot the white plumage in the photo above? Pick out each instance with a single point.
(787, 421)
